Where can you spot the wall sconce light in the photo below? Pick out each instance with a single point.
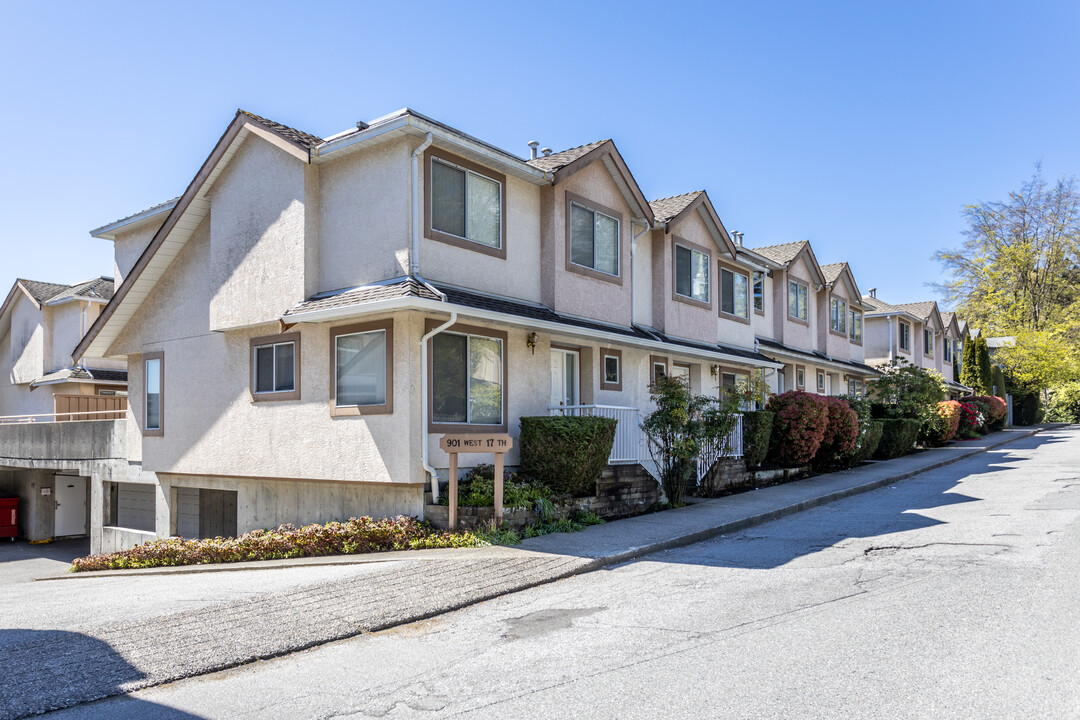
(530, 340)
(714, 370)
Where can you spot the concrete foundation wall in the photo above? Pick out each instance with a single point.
(118, 538)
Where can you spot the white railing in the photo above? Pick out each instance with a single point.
(64, 417)
(730, 447)
(627, 430)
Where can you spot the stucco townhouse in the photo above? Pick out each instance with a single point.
(917, 332)
(308, 318)
(40, 323)
(809, 317)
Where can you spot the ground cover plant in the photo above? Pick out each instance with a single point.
(355, 536)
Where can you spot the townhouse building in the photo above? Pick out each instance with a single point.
(308, 318)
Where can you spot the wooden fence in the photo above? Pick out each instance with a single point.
(89, 407)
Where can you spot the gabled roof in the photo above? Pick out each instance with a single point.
(787, 253)
(834, 272)
(297, 136)
(559, 160)
(100, 289)
(108, 231)
(42, 292)
(879, 306)
(82, 374)
(920, 309)
(671, 211)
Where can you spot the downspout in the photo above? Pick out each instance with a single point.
(424, 403)
(892, 339)
(414, 255)
(633, 283)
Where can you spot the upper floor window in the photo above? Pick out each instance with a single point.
(465, 204)
(363, 370)
(928, 342)
(947, 351)
(594, 239)
(734, 293)
(838, 314)
(797, 301)
(467, 377)
(759, 292)
(153, 395)
(691, 273)
(274, 360)
(855, 326)
(905, 337)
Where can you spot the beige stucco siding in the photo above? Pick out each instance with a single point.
(837, 346)
(645, 280)
(364, 216)
(683, 319)
(63, 323)
(571, 292)
(129, 245)
(27, 343)
(876, 332)
(257, 237)
(796, 334)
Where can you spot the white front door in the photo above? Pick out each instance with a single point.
(564, 377)
(70, 518)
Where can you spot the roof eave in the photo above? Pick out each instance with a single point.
(109, 232)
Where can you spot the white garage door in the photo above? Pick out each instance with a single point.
(135, 506)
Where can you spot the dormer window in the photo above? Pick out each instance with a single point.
(797, 301)
(594, 239)
(691, 273)
(838, 316)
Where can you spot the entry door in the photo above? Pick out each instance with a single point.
(564, 377)
(70, 518)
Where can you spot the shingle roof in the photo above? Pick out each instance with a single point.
(878, 305)
(98, 288)
(407, 287)
(298, 136)
(919, 309)
(553, 162)
(832, 271)
(814, 355)
(947, 317)
(148, 211)
(82, 374)
(782, 254)
(666, 209)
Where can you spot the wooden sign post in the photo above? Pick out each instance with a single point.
(497, 444)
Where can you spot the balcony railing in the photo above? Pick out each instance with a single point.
(729, 447)
(628, 435)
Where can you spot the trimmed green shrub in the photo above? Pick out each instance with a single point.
(1064, 404)
(566, 454)
(756, 430)
(997, 377)
(358, 535)
(868, 444)
(1027, 409)
(841, 434)
(943, 425)
(898, 437)
(798, 428)
(983, 409)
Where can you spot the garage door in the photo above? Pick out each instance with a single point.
(135, 506)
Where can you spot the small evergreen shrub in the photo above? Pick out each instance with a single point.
(798, 428)
(841, 434)
(757, 430)
(566, 454)
(477, 489)
(1064, 404)
(868, 444)
(898, 437)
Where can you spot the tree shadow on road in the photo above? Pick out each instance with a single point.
(51, 669)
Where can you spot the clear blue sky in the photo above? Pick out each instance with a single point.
(861, 126)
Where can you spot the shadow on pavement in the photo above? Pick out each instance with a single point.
(59, 550)
(51, 669)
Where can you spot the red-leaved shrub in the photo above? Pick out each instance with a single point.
(841, 432)
(801, 419)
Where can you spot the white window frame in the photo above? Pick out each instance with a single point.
(468, 173)
(618, 240)
(821, 380)
(757, 281)
(802, 292)
(618, 369)
(838, 311)
(273, 361)
(690, 280)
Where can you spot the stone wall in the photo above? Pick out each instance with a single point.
(731, 474)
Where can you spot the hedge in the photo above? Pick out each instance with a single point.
(567, 454)
(898, 437)
(870, 440)
(944, 424)
(757, 429)
(841, 434)
(798, 428)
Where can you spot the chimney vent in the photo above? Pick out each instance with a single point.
(873, 293)
(533, 144)
(361, 125)
(546, 151)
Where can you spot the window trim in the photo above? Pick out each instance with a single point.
(852, 314)
(806, 286)
(900, 337)
(840, 300)
(655, 360)
(386, 408)
(800, 377)
(574, 199)
(439, 236)
(159, 431)
(604, 354)
(693, 248)
(466, 427)
(734, 270)
(282, 339)
(821, 381)
(946, 350)
(928, 351)
(753, 285)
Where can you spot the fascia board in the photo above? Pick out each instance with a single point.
(803, 359)
(437, 306)
(108, 232)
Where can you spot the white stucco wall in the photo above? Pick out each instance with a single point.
(682, 319)
(876, 339)
(27, 341)
(130, 244)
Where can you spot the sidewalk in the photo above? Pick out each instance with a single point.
(97, 662)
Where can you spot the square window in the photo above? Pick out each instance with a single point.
(691, 273)
(274, 363)
(465, 204)
(594, 239)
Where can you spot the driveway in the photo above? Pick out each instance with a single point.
(21, 562)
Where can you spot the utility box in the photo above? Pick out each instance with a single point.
(9, 517)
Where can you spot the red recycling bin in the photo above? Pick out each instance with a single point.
(9, 517)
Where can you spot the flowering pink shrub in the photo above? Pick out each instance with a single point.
(970, 420)
(800, 422)
(358, 535)
(996, 408)
(841, 432)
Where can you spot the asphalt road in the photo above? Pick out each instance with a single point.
(949, 595)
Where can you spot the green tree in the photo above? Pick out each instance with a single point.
(905, 390)
(969, 373)
(1038, 360)
(986, 380)
(997, 375)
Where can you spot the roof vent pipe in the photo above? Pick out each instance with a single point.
(533, 144)
(873, 292)
(546, 151)
(738, 237)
